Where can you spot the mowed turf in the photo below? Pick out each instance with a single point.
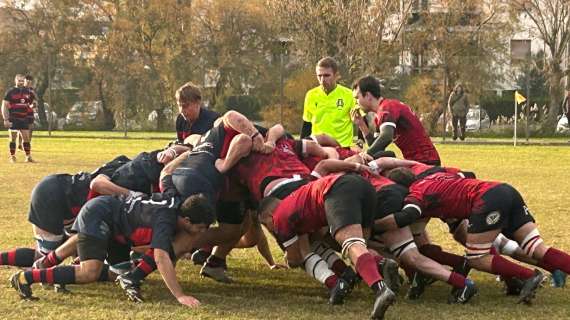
(541, 174)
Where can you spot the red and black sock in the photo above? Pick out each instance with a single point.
(59, 275)
(145, 266)
(27, 148)
(367, 268)
(435, 253)
(508, 269)
(555, 259)
(21, 257)
(457, 280)
(12, 148)
(51, 260)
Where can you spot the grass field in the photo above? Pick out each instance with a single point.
(540, 173)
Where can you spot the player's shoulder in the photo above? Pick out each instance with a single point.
(343, 90)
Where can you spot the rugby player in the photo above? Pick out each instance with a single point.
(395, 121)
(107, 217)
(15, 105)
(491, 208)
(343, 203)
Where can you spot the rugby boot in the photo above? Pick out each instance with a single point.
(216, 273)
(199, 257)
(418, 286)
(513, 286)
(339, 292)
(29, 159)
(24, 290)
(389, 270)
(384, 299)
(463, 295)
(530, 286)
(558, 279)
(351, 278)
(131, 287)
(13, 159)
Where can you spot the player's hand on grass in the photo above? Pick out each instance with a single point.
(189, 301)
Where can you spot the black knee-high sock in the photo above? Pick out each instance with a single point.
(12, 148)
(20, 257)
(104, 276)
(59, 275)
(27, 148)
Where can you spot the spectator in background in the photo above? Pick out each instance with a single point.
(327, 107)
(193, 118)
(566, 104)
(458, 106)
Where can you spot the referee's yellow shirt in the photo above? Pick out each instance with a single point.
(330, 113)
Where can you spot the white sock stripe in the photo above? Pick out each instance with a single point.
(479, 245)
(529, 236)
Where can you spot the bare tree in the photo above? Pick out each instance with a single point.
(551, 19)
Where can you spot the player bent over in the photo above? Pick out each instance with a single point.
(491, 208)
(107, 217)
(345, 203)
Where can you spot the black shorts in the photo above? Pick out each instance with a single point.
(501, 207)
(230, 212)
(20, 124)
(48, 204)
(284, 190)
(389, 200)
(351, 200)
(96, 217)
(117, 252)
(189, 181)
(91, 248)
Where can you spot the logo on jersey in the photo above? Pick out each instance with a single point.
(340, 103)
(493, 218)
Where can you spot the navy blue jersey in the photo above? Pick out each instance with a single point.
(204, 123)
(141, 174)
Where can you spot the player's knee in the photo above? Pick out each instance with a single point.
(476, 252)
(531, 242)
(350, 243)
(406, 250)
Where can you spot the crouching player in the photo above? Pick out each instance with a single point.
(105, 218)
(344, 203)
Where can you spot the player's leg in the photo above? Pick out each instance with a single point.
(26, 143)
(92, 252)
(54, 256)
(12, 144)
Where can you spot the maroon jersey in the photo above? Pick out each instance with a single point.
(378, 182)
(283, 162)
(410, 135)
(343, 153)
(19, 101)
(303, 211)
(445, 195)
(423, 170)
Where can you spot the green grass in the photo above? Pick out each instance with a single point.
(540, 173)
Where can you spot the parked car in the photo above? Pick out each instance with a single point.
(477, 119)
(562, 125)
(84, 112)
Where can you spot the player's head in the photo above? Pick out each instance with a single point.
(265, 211)
(327, 72)
(366, 92)
(196, 213)
(19, 80)
(402, 175)
(28, 81)
(189, 99)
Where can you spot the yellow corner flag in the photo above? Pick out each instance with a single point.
(519, 98)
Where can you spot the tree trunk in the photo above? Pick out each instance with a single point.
(549, 124)
(108, 118)
(40, 92)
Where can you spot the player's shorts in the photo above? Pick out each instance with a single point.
(230, 212)
(48, 204)
(117, 252)
(190, 181)
(389, 200)
(500, 208)
(282, 191)
(96, 217)
(91, 248)
(20, 124)
(351, 200)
